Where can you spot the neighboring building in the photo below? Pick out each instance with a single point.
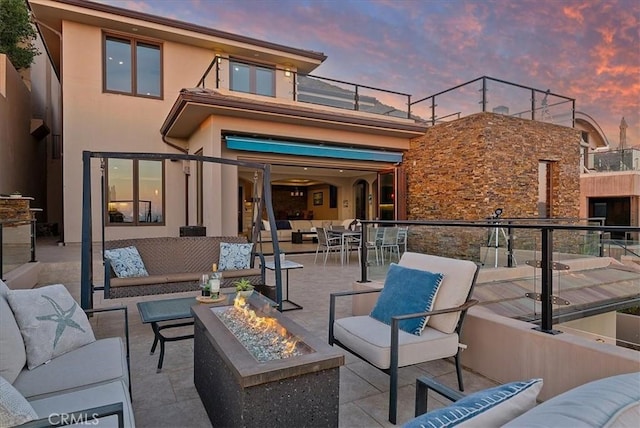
(29, 132)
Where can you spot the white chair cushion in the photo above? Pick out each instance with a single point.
(453, 291)
(372, 340)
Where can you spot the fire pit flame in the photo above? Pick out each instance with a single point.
(263, 336)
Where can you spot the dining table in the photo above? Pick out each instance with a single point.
(344, 235)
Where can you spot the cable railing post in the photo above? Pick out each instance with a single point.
(533, 104)
(433, 110)
(484, 94)
(294, 84)
(546, 266)
(356, 99)
(364, 253)
(509, 245)
(1, 255)
(408, 106)
(33, 240)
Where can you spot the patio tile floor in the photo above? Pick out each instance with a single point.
(169, 398)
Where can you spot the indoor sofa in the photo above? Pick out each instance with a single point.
(92, 379)
(286, 227)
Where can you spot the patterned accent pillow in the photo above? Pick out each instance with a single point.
(407, 291)
(14, 408)
(51, 322)
(491, 407)
(235, 256)
(126, 262)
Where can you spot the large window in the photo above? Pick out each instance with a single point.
(252, 79)
(135, 192)
(132, 67)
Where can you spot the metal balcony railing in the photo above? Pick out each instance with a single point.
(614, 160)
(479, 95)
(545, 248)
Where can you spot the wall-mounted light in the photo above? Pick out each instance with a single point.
(287, 72)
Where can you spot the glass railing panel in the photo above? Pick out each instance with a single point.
(382, 102)
(16, 245)
(332, 94)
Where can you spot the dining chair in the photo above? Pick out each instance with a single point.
(390, 243)
(327, 243)
(403, 236)
(370, 243)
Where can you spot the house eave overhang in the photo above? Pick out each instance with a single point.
(49, 15)
(192, 108)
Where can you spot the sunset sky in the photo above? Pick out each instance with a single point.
(587, 50)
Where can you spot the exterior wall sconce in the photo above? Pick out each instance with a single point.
(287, 72)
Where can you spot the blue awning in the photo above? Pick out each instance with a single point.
(315, 150)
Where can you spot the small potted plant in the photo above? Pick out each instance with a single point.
(243, 287)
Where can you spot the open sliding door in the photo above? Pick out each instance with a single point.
(392, 194)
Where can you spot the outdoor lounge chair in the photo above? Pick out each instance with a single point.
(388, 347)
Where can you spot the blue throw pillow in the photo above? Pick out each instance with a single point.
(235, 256)
(407, 291)
(491, 407)
(126, 262)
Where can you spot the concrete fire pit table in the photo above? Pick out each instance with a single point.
(238, 390)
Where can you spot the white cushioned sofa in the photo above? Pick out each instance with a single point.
(89, 379)
(609, 402)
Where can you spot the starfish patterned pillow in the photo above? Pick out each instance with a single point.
(51, 322)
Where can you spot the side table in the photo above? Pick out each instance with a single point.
(287, 265)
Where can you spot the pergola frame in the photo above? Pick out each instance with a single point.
(265, 201)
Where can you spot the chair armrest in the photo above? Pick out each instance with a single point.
(332, 306)
(424, 384)
(125, 311)
(463, 307)
(82, 417)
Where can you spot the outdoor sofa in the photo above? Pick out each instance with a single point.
(90, 377)
(176, 264)
(609, 402)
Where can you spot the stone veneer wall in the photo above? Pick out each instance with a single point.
(465, 169)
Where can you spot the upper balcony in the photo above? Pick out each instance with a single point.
(614, 160)
(286, 84)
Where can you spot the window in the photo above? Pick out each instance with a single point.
(132, 67)
(135, 192)
(252, 79)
